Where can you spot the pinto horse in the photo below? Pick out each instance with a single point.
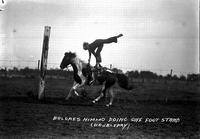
(107, 78)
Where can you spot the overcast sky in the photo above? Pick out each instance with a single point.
(159, 35)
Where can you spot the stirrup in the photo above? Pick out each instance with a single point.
(91, 82)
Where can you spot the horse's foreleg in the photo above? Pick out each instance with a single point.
(82, 84)
(75, 87)
(71, 91)
(69, 94)
(83, 92)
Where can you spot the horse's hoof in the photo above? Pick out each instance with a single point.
(67, 98)
(93, 101)
(108, 105)
(76, 93)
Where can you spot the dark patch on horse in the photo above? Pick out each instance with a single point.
(123, 81)
(111, 78)
(87, 72)
(108, 78)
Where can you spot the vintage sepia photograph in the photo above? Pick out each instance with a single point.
(99, 69)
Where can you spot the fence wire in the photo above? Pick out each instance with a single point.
(33, 64)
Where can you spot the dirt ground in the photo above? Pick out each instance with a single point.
(143, 112)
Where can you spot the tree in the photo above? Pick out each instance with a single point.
(148, 74)
(133, 74)
(193, 77)
(15, 69)
(175, 77)
(182, 77)
(168, 76)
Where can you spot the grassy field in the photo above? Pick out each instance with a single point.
(23, 116)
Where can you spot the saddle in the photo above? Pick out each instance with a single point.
(89, 70)
(97, 72)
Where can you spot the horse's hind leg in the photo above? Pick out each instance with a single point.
(98, 98)
(101, 94)
(69, 94)
(111, 97)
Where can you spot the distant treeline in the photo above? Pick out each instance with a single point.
(151, 75)
(28, 72)
(63, 73)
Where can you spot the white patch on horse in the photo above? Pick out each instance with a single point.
(108, 70)
(79, 66)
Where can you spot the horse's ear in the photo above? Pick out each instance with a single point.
(69, 53)
(74, 54)
(65, 53)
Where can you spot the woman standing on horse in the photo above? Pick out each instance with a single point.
(96, 47)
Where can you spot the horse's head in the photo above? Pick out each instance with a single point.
(67, 59)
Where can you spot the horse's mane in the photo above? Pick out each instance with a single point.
(74, 55)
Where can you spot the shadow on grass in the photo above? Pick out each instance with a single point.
(79, 101)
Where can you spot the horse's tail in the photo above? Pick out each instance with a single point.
(123, 81)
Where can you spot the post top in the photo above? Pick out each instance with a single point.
(47, 30)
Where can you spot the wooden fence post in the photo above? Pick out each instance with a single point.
(43, 65)
(38, 65)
